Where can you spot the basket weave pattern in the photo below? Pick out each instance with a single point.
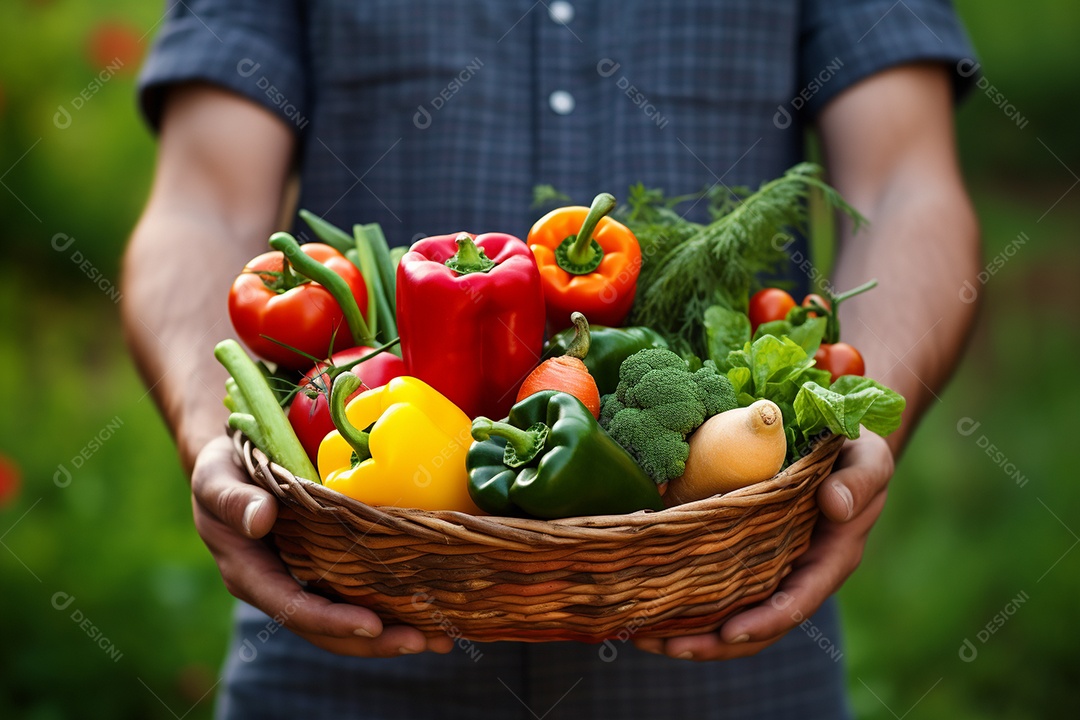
(649, 574)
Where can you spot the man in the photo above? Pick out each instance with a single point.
(432, 117)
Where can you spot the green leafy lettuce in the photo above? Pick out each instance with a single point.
(849, 402)
(780, 369)
(728, 330)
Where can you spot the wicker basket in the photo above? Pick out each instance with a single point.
(649, 574)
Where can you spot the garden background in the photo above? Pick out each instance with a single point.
(965, 604)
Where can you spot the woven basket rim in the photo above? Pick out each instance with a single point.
(684, 569)
(449, 523)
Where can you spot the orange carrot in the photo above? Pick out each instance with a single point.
(567, 372)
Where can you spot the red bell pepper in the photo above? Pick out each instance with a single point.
(470, 313)
(309, 412)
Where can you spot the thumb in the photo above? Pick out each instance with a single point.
(862, 472)
(223, 490)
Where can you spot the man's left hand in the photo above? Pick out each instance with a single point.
(850, 499)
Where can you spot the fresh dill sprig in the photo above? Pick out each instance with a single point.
(688, 267)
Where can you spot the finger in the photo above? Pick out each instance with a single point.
(711, 646)
(833, 555)
(650, 645)
(708, 646)
(223, 490)
(863, 470)
(441, 644)
(256, 575)
(396, 640)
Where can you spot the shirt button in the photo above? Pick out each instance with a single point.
(562, 102)
(561, 12)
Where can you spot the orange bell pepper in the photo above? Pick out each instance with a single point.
(588, 263)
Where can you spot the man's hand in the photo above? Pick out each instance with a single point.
(223, 163)
(890, 151)
(231, 515)
(850, 499)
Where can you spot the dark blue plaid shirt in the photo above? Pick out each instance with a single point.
(434, 116)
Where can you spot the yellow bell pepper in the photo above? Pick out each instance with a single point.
(414, 454)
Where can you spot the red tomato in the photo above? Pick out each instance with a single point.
(310, 418)
(811, 300)
(305, 316)
(840, 359)
(768, 305)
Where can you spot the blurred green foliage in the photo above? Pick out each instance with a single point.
(77, 157)
(103, 521)
(147, 623)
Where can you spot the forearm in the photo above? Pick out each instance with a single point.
(890, 151)
(911, 329)
(217, 194)
(177, 272)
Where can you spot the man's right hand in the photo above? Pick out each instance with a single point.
(223, 165)
(231, 515)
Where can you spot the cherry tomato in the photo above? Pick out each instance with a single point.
(840, 359)
(768, 305)
(305, 316)
(310, 417)
(813, 300)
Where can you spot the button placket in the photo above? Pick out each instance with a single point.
(563, 102)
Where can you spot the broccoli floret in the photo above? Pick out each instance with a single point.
(657, 403)
(660, 452)
(715, 390)
(637, 365)
(671, 396)
(609, 408)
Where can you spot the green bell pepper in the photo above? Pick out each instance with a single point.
(608, 348)
(551, 459)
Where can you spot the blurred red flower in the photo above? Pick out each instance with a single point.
(10, 481)
(116, 46)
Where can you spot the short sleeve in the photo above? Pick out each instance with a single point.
(845, 41)
(252, 47)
